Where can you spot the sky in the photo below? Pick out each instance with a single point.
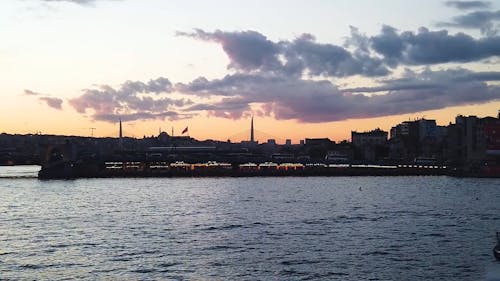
(317, 68)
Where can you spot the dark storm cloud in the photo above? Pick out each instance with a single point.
(251, 51)
(432, 47)
(467, 5)
(133, 98)
(321, 101)
(55, 103)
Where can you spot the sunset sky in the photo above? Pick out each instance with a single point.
(301, 68)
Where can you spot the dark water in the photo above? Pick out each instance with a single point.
(360, 228)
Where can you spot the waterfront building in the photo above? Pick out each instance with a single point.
(374, 137)
(421, 138)
(369, 146)
(476, 140)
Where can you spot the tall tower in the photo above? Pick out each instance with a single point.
(252, 137)
(120, 140)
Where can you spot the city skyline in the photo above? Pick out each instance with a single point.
(316, 69)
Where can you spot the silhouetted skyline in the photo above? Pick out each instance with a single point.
(304, 69)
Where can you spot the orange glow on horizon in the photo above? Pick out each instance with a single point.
(62, 122)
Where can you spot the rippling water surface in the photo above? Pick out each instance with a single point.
(338, 228)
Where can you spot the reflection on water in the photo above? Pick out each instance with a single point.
(361, 228)
(27, 171)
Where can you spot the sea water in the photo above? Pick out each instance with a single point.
(317, 228)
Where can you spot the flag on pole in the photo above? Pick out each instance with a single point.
(185, 130)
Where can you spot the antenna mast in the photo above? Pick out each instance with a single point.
(252, 136)
(120, 141)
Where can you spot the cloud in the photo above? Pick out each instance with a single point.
(291, 98)
(55, 103)
(247, 50)
(113, 118)
(332, 60)
(230, 108)
(321, 101)
(293, 79)
(485, 21)
(467, 5)
(432, 47)
(428, 80)
(30, 93)
(482, 19)
(79, 2)
(250, 51)
(134, 99)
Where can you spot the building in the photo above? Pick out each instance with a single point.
(374, 137)
(427, 129)
(400, 130)
(416, 139)
(317, 148)
(369, 146)
(418, 129)
(472, 141)
(318, 142)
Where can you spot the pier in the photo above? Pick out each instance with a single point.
(224, 169)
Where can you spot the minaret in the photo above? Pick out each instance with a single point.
(252, 139)
(120, 140)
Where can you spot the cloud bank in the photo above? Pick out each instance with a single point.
(322, 101)
(284, 98)
(297, 79)
(133, 100)
(250, 51)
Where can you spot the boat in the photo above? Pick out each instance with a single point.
(57, 170)
(496, 250)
